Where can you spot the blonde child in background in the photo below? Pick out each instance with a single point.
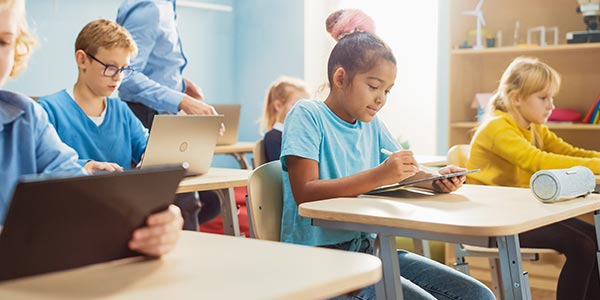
(332, 149)
(513, 142)
(29, 143)
(282, 96)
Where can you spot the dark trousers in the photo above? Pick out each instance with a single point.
(575, 239)
(143, 112)
(198, 208)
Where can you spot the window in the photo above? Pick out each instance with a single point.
(410, 28)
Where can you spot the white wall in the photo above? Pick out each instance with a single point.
(317, 43)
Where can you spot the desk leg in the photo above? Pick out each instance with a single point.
(597, 224)
(514, 282)
(422, 247)
(241, 159)
(389, 286)
(229, 212)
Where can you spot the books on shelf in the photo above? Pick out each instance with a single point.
(593, 116)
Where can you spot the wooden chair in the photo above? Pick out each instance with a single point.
(265, 201)
(458, 156)
(258, 153)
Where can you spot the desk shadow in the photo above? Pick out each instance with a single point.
(91, 282)
(419, 194)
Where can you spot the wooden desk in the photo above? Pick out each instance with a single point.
(253, 269)
(597, 179)
(474, 215)
(432, 160)
(223, 181)
(237, 150)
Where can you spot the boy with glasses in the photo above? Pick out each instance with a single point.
(103, 130)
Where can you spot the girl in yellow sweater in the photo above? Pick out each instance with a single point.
(512, 143)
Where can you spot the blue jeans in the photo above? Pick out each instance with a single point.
(423, 278)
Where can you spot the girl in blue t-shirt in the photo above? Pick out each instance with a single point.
(332, 149)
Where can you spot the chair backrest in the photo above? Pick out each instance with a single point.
(258, 152)
(458, 155)
(265, 201)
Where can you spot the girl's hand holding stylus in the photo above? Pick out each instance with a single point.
(449, 185)
(397, 167)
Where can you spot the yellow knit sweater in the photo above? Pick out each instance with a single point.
(507, 156)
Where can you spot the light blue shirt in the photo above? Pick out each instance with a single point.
(341, 149)
(28, 145)
(120, 139)
(157, 81)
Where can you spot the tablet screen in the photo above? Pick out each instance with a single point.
(409, 181)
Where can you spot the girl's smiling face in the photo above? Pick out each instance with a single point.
(367, 93)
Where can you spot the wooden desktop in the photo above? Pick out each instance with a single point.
(210, 266)
(474, 215)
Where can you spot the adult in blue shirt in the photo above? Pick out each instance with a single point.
(157, 85)
(30, 145)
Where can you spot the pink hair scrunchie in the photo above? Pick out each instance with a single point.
(346, 21)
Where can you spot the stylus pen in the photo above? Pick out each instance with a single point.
(421, 167)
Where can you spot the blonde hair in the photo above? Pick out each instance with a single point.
(106, 34)
(523, 77)
(25, 41)
(281, 89)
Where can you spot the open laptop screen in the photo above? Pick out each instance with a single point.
(188, 140)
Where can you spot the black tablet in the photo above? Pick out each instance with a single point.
(62, 223)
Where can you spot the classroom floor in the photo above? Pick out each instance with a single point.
(539, 294)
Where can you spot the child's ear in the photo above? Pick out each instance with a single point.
(278, 104)
(80, 58)
(339, 77)
(515, 99)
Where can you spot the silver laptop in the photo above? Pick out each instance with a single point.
(183, 140)
(231, 121)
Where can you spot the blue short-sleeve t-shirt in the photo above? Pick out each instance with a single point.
(340, 148)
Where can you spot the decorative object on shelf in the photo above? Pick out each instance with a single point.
(590, 9)
(593, 115)
(516, 34)
(555, 36)
(564, 115)
(543, 31)
(499, 38)
(480, 22)
(480, 102)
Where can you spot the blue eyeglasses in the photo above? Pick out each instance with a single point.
(111, 70)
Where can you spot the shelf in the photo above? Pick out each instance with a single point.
(566, 48)
(553, 126)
